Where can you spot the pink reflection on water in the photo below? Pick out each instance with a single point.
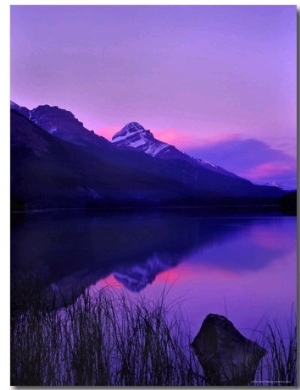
(109, 281)
(272, 238)
(184, 273)
(249, 299)
(248, 296)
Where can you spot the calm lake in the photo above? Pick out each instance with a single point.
(242, 266)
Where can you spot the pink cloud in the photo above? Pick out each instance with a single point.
(182, 138)
(107, 131)
(171, 136)
(267, 170)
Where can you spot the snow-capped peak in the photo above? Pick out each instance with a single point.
(131, 127)
(134, 135)
(131, 130)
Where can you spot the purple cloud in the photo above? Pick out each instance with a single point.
(250, 158)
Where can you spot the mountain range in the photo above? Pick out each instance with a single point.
(57, 163)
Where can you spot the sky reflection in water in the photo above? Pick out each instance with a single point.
(243, 267)
(249, 276)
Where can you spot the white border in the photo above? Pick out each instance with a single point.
(5, 146)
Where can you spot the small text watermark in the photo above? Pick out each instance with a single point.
(262, 382)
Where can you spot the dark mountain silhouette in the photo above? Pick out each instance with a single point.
(63, 124)
(47, 172)
(22, 110)
(56, 162)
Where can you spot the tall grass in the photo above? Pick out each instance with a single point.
(279, 366)
(100, 340)
(107, 339)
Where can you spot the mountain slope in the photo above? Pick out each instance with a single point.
(50, 172)
(212, 181)
(133, 135)
(63, 124)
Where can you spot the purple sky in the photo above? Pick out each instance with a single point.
(218, 82)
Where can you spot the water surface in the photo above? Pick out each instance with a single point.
(243, 267)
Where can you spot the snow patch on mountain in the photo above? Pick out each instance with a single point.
(155, 149)
(138, 143)
(53, 129)
(206, 163)
(273, 184)
(131, 127)
(134, 135)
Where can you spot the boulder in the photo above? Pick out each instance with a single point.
(227, 357)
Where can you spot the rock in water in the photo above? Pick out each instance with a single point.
(227, 357)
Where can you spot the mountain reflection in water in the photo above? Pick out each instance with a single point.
(70, 249)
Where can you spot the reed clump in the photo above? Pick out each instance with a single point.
(107, 339)
(279, 366)
(103, 339)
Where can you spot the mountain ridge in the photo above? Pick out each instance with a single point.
(62, 124)
(133, 135)
(94, 172)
